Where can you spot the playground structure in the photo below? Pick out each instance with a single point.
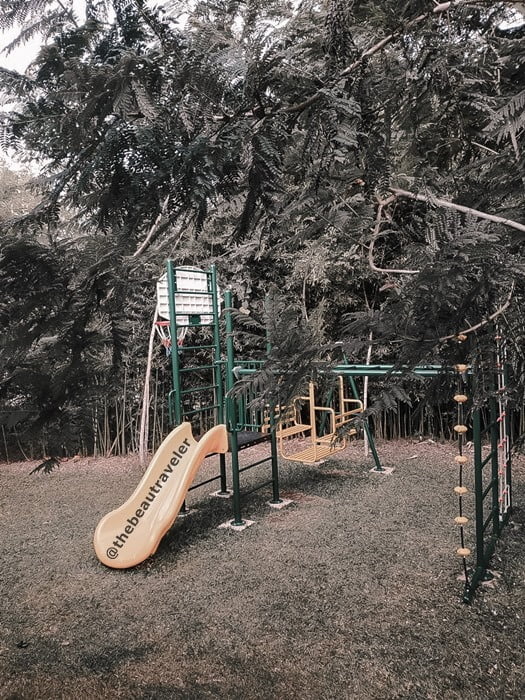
(492, 472)
(212, 397)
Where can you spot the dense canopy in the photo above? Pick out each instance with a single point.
(360, 161)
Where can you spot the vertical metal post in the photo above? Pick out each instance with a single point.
(236, 486)
(366, 428)
(217, 364)
(478, 488)
(494, 439)
(217, 371)
(175, 367)
(275, 461)
(276, 498)
(231, 412)
(508, 426)
(229, 340)
(313, 431)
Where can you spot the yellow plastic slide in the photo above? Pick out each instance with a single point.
(132, 533)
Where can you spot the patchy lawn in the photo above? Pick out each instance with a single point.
(350, 592)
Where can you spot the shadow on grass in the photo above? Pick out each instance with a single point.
(204, 517)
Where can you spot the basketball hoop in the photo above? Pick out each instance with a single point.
(164, 333)
(193, 306)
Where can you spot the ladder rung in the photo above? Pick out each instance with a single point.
(199, 388)
(185, 291)
(190, 269)
(200, 410)
(194, 369)
(195, 347)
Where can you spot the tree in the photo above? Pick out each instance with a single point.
(366, 157)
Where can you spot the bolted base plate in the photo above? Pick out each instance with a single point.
(185, 513)
(236, 528)
(284, 502)
(386, 471)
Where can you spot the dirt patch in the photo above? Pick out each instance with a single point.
(350, 592)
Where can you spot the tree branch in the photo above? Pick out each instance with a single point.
(436, 10)
(153, 230)
(68, 12)
(376, 234)
(490, 318)
(458, 207)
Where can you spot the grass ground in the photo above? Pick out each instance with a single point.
(350, 592)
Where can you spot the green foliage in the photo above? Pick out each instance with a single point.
(47, 466)
(260, 136)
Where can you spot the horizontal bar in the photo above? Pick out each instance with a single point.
(489, 487)
(489, 519)
(488, 458)
(200, 410)
(203, 483)
(193, 369)
(371, 370)
(257, 488)
(187, 293)
(195, 347)
(383, 370)
(385, 367)
(199, 388)
(254, 464)
(193, 325)
(188, 269)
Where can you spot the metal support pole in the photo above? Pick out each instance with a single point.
(273, 435)
(236, 486)
(217, 374)
(176, 402)
(494, 439)
(366, 428)
(224, 483)
(508, 429)
(275, 461)
(231, 411)
(478, 488)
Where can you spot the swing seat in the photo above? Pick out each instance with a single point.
(319, 447)
(286, 421)
(325, 445)
(312, 454)
(292, 430)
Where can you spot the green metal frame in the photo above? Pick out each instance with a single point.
(236, 422)
(175, 399)
(489, 521)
